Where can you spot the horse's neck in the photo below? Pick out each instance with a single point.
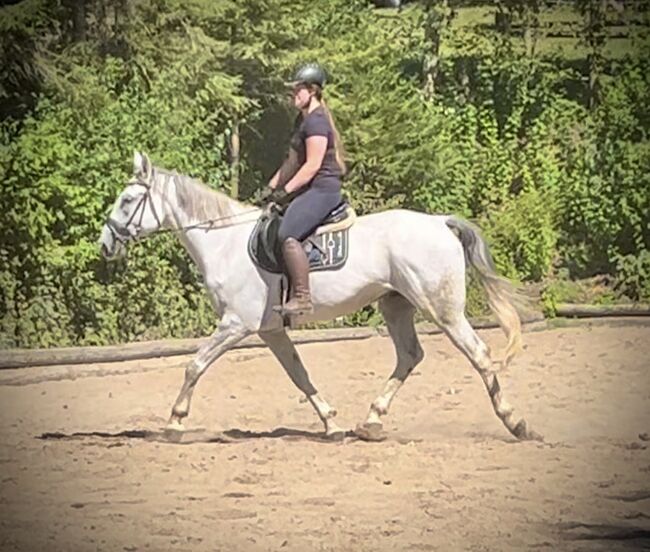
(218, 228)
(221, 212)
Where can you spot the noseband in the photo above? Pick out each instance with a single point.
(121, 232)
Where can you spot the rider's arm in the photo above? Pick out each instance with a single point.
(284, 173)
(316, 146)
(273, 183)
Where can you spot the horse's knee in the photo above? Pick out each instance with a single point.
(193, 372)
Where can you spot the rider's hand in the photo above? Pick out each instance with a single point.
(270, 195)
(263, 196)
(279, 196)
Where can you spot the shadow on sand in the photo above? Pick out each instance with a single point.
(192, 436)
(631, 536)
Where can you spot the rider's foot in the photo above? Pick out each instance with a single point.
(297, 305)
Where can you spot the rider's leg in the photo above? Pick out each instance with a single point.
(302, 216)
(295, 259)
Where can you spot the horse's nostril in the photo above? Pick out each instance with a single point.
(103, 250)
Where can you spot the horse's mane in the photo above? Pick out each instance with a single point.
(198, 200)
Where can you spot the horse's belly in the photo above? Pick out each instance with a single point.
(339, 300)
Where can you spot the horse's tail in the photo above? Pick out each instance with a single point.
(501, 293)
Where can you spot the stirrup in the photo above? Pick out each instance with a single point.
(281, 309)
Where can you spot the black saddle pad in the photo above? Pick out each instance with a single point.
(326, 251)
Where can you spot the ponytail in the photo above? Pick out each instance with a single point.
(339, 150)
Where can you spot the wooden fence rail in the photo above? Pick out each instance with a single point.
(23, 358)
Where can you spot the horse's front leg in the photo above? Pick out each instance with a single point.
(228, 334)
(285, 351)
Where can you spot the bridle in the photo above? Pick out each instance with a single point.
(121, 232)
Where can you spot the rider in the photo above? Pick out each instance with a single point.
(313, 170)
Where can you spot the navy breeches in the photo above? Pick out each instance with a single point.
(308, 210)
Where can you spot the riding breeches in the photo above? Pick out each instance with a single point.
(308, 210)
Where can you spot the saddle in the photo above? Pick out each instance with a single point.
(326, 247)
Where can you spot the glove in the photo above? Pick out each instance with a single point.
(279, 196)
(262, 197)
(270, 195)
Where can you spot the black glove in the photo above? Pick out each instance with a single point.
(262, 197)
(279, 196)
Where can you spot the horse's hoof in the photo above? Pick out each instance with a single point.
(174, 430)
(175, 424)
(336, 436)
(532, 435)
(498, 367)
(524, 433)
(370, 432)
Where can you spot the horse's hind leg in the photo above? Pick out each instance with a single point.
(285, 351)
(465, 338)
(398, 314)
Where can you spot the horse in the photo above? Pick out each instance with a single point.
(404, 260)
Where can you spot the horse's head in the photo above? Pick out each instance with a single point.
(136, 213)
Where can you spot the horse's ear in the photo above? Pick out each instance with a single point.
(141, 164)
(146, 166)
(138, 162)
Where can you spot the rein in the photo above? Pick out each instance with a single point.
(209, 223)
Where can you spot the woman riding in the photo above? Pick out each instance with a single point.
(312, 172)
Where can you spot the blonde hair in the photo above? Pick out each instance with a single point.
(339, 150)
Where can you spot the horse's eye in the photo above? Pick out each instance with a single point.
(126, 200)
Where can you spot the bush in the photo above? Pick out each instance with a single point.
(507, 140)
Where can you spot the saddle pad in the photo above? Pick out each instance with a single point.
(327, 251)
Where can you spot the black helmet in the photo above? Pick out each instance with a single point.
(310, 73)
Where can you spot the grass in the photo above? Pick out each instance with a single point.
(562, 19)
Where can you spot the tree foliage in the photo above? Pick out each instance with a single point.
(498, 132)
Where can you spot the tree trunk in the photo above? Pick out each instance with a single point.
(234, 159)
(436, 20)
(503, 17)
(121, 15)
(102, 26)
(595, 35)
(531, 26)
(78, 20)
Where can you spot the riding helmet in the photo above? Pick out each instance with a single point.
(309, 73)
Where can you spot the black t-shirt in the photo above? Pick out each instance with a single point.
(316, 123)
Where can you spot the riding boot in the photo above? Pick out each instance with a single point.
(295, 259)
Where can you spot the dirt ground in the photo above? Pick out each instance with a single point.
(254, 474)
